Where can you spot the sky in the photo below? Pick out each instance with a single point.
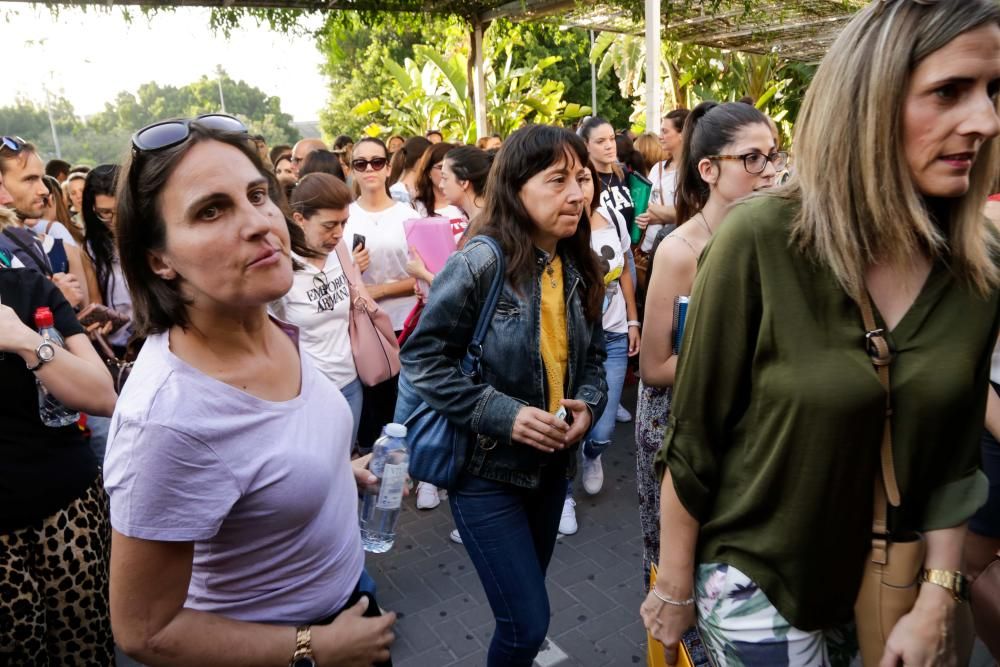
(89, 57)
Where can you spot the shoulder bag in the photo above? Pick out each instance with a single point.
(438, 447)
(986, 606)
(890, 583)
(373, 340)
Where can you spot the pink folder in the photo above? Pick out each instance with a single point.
(433, 238)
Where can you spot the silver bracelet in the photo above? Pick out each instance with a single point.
(634, 323)
(671, 601)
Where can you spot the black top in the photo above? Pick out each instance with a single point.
(616, 198)
(42, 469)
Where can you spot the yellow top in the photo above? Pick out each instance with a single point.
(554, 339)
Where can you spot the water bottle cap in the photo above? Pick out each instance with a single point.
(43, 318)
(395, 430)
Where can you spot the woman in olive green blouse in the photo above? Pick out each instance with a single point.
(771, 454)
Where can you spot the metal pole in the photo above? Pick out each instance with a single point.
(222, 98)
(593, 79)
(479, 81)
(652, 65)
(52, 123)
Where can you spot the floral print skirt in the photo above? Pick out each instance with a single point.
(740, 627)
(651, 414)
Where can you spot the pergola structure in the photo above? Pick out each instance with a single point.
(794, 29)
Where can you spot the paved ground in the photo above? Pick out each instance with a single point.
(594, 583)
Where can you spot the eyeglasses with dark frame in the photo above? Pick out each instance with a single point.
(755, 163)
(169, 133)
(377, 164)
(104, 214)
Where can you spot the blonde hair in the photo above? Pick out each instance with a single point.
(859, 202)
(648, 145)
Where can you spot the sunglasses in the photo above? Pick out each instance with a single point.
(168, 133)
(13, 144)
(377, 164)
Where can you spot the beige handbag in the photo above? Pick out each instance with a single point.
(890, 584)
(373, 341)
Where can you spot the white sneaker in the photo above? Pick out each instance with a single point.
(567, 524)
(593, 475)
(455, 537)
(622, 416)
(427, 496)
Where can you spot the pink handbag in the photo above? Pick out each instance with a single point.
(373, 340)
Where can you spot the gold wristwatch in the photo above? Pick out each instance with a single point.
(303, 656)
(954, 581)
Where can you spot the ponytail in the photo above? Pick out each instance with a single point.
(708, 129)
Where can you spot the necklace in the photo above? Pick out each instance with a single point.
(704, 222)
(550, 270)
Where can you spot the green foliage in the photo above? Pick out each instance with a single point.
(104, 137)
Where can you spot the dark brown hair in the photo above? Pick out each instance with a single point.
(62, 211)
(425, 186)
(471, 164)
(407, 157)
(322, 161)
(527, 152)
(317, 191)
(708, 128)
(158, 304)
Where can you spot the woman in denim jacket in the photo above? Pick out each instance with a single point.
(544, 351)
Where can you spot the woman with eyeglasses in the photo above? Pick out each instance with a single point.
(708, 184)
(319, 302)
(779, 449)
(233, 499)
(376, 234)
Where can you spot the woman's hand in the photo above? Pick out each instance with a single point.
(416, 268)
(70, 287)
(642, 221)
(363, 477)
(539, 429)
(925, 636)
(581, 419)
(361, 258)
(666, 623)
(353, 640)
(633, 341)
(15, 335)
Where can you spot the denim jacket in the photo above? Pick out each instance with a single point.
(511, 374)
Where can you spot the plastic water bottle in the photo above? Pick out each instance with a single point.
(52, 412)
(381, 503)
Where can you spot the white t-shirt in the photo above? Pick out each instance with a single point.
(263, 489)
(611, 247)
(664, 186)
(399, 192)
(55, 229)
(319, 304)
(385, 239)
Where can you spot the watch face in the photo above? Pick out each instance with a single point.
(46, 351)
(304, 662)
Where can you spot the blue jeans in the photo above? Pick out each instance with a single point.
(100, 428)
(352, 392)
(615, 367)
(510, 533)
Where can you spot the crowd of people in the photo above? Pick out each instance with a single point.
(203, 509)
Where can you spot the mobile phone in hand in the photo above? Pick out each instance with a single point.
(359, 242)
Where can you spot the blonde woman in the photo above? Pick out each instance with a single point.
(771, 454)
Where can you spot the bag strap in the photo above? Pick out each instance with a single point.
(886, 487)
(470, 363)
(42, 261)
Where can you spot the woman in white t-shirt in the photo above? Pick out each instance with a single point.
(611, 243)
(429, 199)
(319, 302)
(663, 175)
(376, 222)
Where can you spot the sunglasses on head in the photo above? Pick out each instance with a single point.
(377, 164)
(168, 133)
(13, 144)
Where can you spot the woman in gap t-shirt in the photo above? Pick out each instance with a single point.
(319, 303)
(379, 219)
(615, 196)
